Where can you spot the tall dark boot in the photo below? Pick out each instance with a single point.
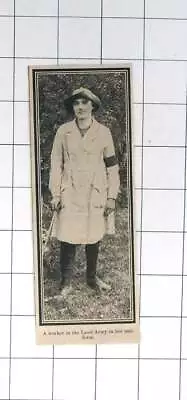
(67, 256)
(92, 251)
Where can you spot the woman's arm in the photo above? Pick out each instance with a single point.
(56, 168)
(112, 167)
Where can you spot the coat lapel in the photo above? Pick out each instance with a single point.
(76, 142)
(73, 138)
(92, 131)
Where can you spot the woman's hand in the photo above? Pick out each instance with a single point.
(55, 204)
(110, 207)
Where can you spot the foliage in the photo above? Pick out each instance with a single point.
(113, 257)
(53, 88)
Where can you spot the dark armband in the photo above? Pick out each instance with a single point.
(110, 161)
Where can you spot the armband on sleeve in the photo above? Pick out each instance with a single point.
(112, 167)
(110, 161)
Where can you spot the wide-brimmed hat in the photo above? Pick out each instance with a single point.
(85, 93)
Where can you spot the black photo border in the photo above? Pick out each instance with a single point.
(34, 115)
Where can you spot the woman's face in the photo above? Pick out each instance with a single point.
(82, 108)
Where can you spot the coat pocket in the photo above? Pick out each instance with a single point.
(99, 192)
(64, 194)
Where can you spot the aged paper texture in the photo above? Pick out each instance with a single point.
(83, 204)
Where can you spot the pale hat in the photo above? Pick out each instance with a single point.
(83, 92)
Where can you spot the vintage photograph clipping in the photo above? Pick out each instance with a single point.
(83, 204)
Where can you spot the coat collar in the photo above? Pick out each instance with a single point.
(91, 133)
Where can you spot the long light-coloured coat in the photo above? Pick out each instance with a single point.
(80, 180)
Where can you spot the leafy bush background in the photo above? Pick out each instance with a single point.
(114, 253)
(110, 89)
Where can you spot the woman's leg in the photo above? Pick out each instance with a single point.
(67, 256)
(92, 251)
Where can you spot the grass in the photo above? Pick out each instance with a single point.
(113, 268)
